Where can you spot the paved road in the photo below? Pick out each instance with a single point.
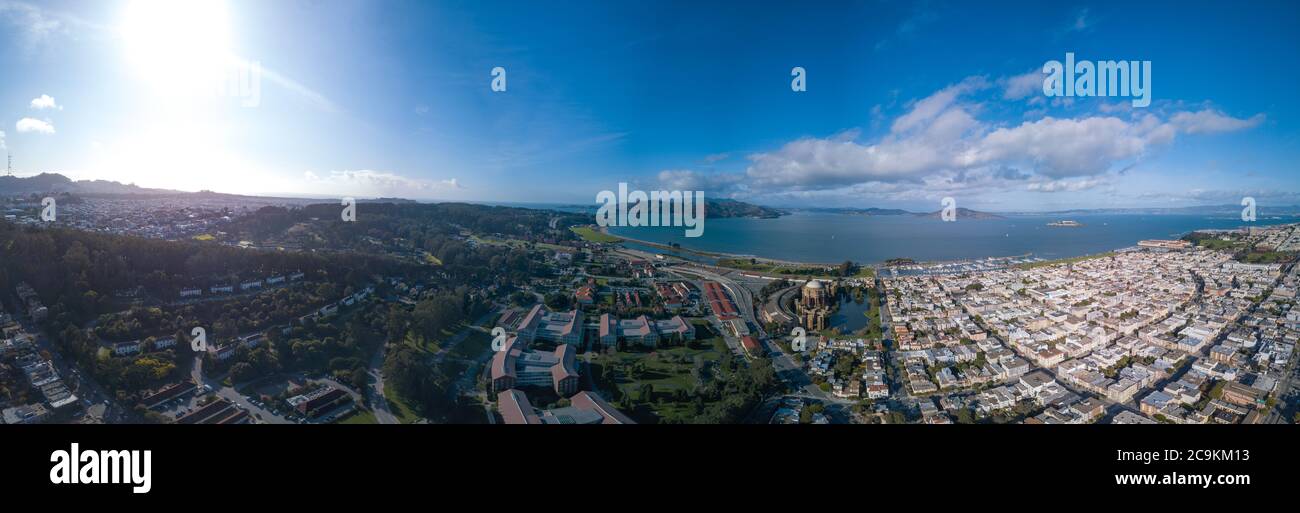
(378, 402)
(786, 368)
(88, 390)
(232, 395)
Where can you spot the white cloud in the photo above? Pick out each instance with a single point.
(366, 182)
(2, 140)
(1060, 147)
(451, 183)
(1068, 185)
(45, 101)
(939, 145)
(1022, 86)
(690, 180)
(929, 107)
(26, 125)
(35, 24)
(1210, 121)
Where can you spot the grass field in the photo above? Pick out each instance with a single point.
(667, 370)
(473, 346)
(873, 314)
(399, 408)
(1220, 244)
(590, 234)
(360, 417)
(1267, 257)
(421, 344)
(789, 270)
(515, 243)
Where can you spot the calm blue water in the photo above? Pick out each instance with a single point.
(851, 315)
(830, 238)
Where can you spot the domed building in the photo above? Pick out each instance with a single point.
(816, 302)
(814, 295)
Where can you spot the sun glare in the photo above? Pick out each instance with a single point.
(178, 52)
(178, 48)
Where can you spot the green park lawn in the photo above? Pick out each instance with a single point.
(360, 417)
(667, 370)
(590, 234)
(399, 408)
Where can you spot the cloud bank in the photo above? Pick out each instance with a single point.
(947, 143)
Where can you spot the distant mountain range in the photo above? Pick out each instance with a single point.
(54, 183)
(862, 211)
(962, 213)
(720, 208)
(1196, 210)
(713, 209)
(57, 183)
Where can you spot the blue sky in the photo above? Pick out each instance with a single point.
(906, 102)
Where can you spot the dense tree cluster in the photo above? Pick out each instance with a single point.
(730, 399)
(129, 377)
(424, 386)
(338, 346)
(223, 319)
(440, 230)
(77, 273)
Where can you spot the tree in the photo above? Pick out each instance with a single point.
(360, 378)
(522, 298)
(241, 372)
(557, 301)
